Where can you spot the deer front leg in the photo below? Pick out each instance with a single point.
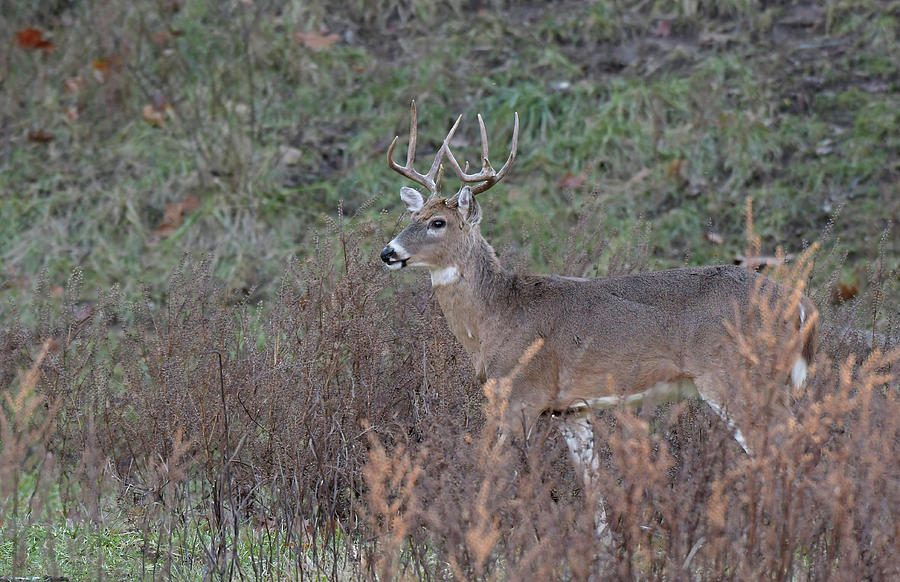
(710, 390)
(578, 432)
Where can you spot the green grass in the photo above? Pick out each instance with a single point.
(85, 552)
(95, 195)
(80, 552)
(120, 542)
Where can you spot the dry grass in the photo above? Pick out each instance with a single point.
(337, 435)
(817, 500)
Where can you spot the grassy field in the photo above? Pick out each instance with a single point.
(669, 113)
(183, 179)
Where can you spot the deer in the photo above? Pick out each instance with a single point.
(603, 342)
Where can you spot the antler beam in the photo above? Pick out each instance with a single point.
(487, 176)
(428, 180)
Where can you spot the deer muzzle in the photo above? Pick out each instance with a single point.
(392, 258)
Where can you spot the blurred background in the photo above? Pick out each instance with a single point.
(134, 132)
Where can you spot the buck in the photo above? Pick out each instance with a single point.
(603, 342)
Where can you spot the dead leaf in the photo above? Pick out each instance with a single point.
(677, 169)
(713, 237)
(570, 181)
(40, 136)
(71, 115)
(189, 204)
(156, 113)
(103, 68)
(173, 216)
(74, 85)
(316, 42)
(172, 219)
(33, 39)
(843, 292)
(152, 115)
(662, 29)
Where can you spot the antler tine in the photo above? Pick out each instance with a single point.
(413, 134)
(513, 146)
(484, 144)
(427, 180)
(445, 147)
(487, 176)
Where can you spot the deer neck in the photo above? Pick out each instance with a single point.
(470, 293)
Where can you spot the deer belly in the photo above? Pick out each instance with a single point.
(656, 395)
(658, 379)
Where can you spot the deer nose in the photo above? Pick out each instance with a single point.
(387, 253)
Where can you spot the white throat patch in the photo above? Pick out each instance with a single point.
(444, 276)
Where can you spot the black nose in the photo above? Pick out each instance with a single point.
(387, 253)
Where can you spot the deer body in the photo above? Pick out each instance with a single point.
(654, 336)
(604, 339)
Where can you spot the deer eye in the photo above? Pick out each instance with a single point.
(438, 223)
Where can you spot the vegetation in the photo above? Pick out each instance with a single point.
(206, 374)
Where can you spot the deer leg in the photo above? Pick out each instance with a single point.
(707, 388)
(578, 432)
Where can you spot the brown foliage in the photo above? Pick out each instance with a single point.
(341, 424)
(32, 38)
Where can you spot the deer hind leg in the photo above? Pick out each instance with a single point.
(709, 390)
(578, 432)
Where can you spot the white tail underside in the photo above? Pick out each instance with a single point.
(798, 373)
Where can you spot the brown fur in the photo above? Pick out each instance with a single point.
(601, 337)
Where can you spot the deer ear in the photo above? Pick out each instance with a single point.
(468, 207)
(413, 200)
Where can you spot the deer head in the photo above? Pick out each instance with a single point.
(441, 229)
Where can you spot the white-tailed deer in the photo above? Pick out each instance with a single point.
(606, 341)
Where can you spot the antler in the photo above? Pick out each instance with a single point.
(427, 180)
(487, 176)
